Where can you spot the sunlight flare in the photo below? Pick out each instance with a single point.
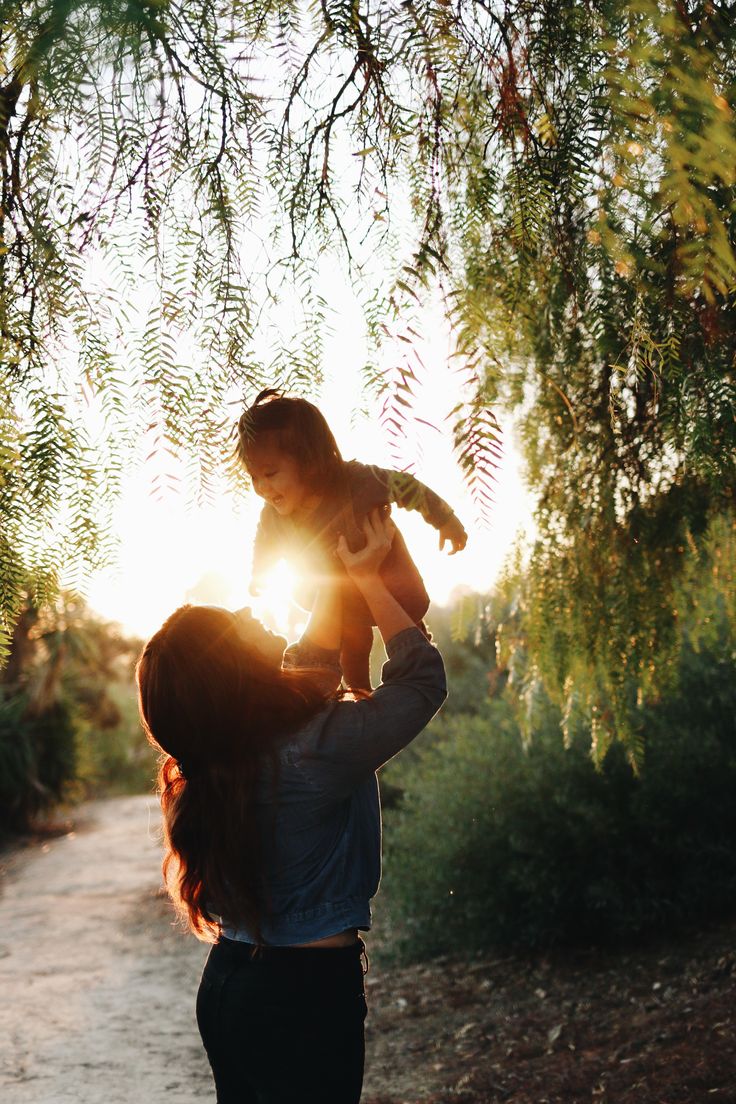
(276, 606)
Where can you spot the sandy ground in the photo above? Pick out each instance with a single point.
(97, 987)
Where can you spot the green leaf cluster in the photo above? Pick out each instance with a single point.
(69, 724)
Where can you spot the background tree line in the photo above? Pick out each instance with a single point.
(69, 724)
(499, 833)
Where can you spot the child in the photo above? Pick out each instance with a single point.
(312, 496)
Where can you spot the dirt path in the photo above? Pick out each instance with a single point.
(97, 987)
(97, 995)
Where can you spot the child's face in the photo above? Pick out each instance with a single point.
(277, 479)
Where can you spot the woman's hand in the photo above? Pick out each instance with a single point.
(379, 533)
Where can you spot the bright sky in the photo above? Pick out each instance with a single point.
(171, 552)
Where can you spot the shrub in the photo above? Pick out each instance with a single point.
(113, 755)
(497, 844)
(37, 758)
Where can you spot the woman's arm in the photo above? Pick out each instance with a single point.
(363, 567)
(355, 738)
(324, 629)
(319, 647)
(318, 650)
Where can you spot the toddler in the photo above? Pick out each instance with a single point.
(312, 496)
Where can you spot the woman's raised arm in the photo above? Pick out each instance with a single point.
(363, 568)
(318, 649)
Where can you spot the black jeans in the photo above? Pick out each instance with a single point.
(283, 1025)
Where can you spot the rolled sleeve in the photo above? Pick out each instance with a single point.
(322, 663)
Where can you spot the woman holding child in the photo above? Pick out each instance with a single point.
(272, 822)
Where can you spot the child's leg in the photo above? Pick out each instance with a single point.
(355, 653)
(402, 578)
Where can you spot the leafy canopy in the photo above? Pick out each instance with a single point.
(560, 175)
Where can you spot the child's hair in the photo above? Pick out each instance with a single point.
(297, 428)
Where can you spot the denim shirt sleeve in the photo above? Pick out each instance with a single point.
(357, 737)
(322, 663)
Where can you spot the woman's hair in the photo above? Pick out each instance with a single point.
(216, 710)
(296, 427)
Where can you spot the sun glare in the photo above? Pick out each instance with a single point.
(276, 606)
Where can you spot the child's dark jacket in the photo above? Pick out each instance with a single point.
(310, 544)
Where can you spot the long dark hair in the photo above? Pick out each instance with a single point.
(216, 710)
(298, 428)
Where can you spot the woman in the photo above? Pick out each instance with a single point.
(272, 826)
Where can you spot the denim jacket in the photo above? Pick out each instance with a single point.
(319, 811)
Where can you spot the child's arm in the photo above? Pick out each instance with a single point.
(411, 494)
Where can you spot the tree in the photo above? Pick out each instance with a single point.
(608, 283)
(68, 721)
(563, 174)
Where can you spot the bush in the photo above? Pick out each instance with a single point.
(113, 755)
(37, 758)
(494, 844)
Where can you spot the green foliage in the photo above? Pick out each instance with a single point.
(37, 757)
(559, 177)
(97, 680)
(499, 831)
(464, 633)
(112, 754)
(69, 723)
(599, 275)
(501, 843)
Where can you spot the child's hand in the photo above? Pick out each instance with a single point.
(379, 533)
(454, 532)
